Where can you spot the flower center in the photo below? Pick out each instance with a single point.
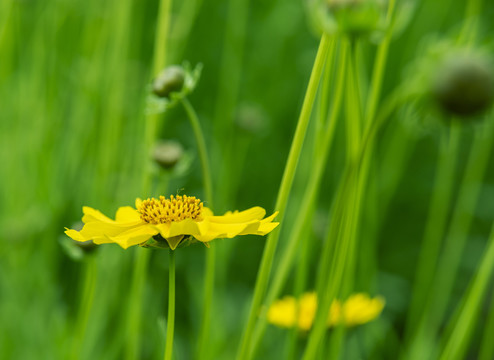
(162, 210)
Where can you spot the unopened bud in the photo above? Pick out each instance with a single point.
(167, 153)
(355, 17)
(251, 118)
(464, 85)
(171, 79)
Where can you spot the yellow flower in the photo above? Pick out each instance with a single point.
(168, 223)
(357, 309)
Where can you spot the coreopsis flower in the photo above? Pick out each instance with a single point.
(173, 222)
(356, 310)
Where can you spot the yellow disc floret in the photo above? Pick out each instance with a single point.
(177, 208)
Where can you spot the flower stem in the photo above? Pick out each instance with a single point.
(284, 191)
(209, 276)
(470, 308)
(455, 239)
(161, 39)
(171, 307)
(201, 149)
(306, 208)
(435, 227)
(486, 351)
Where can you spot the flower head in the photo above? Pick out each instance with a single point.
(356, 310)
(169, 223)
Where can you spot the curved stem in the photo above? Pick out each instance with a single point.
(209, 276)
(284, 191)
(171, 307)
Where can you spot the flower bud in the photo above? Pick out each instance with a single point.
(171, 79)
(251, 119)
(464, 85)
(354, 17)
(167, 153)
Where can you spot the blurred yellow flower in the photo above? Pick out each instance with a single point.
(357, 309)
(168, 223)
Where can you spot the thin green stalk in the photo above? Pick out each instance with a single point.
(284, 191)
(353, 107)
(134, 311)
(379, 66)
(161, 39)
(436, 224)
(486, 351)
(85, 306)
(459, 339)
(309, 199)
(338, 264)
(159, 62)
(170, 325)
(456, 237)
(211, 253)
(346, 240)
(342, 226)
(324, 99)
(201, 149)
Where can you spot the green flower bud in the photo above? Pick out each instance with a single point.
(251, 119)
(355, 17)
(171, 79)
(167, 153)
(464, 85)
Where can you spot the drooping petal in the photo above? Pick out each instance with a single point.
(134, 236)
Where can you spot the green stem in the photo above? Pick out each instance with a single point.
(457, 344)
(436, 224)
(309, 199)
(201, 149)
(161, 39)
(85, 306)
(346, 238)
(455, 240)
(159, 62)
(211, 253)
(379, 65)
(343, 226)
(171, 307)
(284, 191)
(486, 351)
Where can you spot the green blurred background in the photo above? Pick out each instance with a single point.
(74, 83)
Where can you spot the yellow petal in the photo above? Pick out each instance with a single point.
(188, 227)
(75, 235)
(134, 236)
(266, 228)
(91, 214)
(127, 214)
(138, 203)
(254, 213)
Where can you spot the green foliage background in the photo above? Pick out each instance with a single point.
(74, 79)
